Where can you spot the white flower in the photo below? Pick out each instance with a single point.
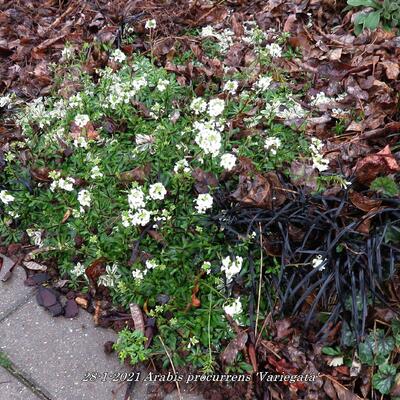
(206, 266)
(198, 105)
(207, 31)
(231, 86)
(336, 361)
(264, 82)
(181, 165)
(5, 197)
(78, 270)
(234, 309)
(136, 198)
(13, 214)
(150, 24)
(81, 120)
(118, 56)
(81, 142)
(192, 341)
(228, 161)
(67, 53)
(318, 262)
(141, 217)
(203, 203)
(84, 198)
(151, 264)
(157, 191)
(162, 84)
(274, 50)
(231, 267)
(272, 144)
(319, 162)
(138, 274)
(215, 107)
(5, 100)
(320, 99)
(209, 137)
(126, 218)
(95, 172)
(65, 184)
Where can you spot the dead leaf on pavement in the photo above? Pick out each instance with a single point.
(6, 267)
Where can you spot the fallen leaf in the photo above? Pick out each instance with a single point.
(228, 356)
(137, 317)
(6, 267)
(34, 266)
(392, 69)
(260, 191)
(204, 180)
(362, 202)
(373, 165)
(138, 174)
(67, 214)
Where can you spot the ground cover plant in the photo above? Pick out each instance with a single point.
(198, 193)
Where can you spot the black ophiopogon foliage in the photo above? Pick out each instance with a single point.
(329, 260)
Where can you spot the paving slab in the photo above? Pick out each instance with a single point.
(58, 353)
(13, 292)
(12, 389)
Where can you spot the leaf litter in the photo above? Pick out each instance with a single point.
(359, 75)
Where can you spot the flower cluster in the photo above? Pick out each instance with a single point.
(319, 162)
(224, 38)
(274, 50)
(228, 161)
(209, 136)
(118, 56)
(181, 165)
(84, 198)
(318, 262)
(5, 197)
(231, 86)
(272, 144)
(234, 309)
(66, 184)
(138, 215)
(231, 266)
(138, 274)
(203, 203)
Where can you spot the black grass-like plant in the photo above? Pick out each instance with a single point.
(333, 256)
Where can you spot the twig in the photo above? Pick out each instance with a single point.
(173, 367)
(259, 281)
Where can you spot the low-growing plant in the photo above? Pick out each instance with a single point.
(131, 344)
(377, 12)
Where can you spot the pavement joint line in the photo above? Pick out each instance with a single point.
(26, 381)
(17, 306)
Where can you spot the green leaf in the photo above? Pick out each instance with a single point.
(376, 345)
(384, 378)
(362, 3)
(396, 331)
(366, 353)
(372, 20)
(331, 351)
